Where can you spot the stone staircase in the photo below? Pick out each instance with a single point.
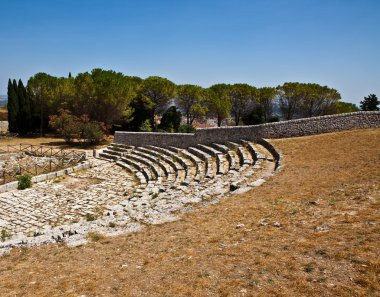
(201, 172)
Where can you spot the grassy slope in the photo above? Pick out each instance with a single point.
(329, 181)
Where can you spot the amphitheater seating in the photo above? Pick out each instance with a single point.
(205, 169)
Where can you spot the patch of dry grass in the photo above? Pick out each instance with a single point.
(311, 230)
(51, 141)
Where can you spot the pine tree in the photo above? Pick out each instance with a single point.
(370, 103)
(13, 108)
(24, 120)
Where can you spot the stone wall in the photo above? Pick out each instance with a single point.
(292, 128)
(3, 126)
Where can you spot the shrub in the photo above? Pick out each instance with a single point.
(93, 132)
(186, 129)
(71, 127)
(146, 126)
(24, 181)
(5, 235)
(66, 125)
(90, 217)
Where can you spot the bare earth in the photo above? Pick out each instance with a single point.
(311, 230)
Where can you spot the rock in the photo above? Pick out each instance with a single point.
(276, 224)
(234, 187)
(264, 222)
(322, 228)
(238, 226)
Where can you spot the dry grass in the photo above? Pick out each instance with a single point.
(51, 141)
(326, 200)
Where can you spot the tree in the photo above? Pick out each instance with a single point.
(25, 118)
(265, 97)
(255, 117)
(218, 102)
(317, 100)
(306, 100)
(66, 125)
(290, 97)
(370, 103)
(191, 100)
(13, 108)
(157, 91)
(241, 96)
(345, 107)
(171, 120)
(42, 91)
(105, 95)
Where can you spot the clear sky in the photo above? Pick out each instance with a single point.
(260, 42)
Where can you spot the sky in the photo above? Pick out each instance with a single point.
(259, 42)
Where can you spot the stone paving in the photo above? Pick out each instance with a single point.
(109, 199)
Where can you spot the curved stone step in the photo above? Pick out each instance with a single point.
(140, 176)
(108, 156)
(153, 167)
(210, 163)
(221, 161)
(194, 170)
(164, 167)
(161, 157)
(149, 176)
(112, 152)
(243, 153)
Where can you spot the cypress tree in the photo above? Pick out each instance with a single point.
(24, 120)
(13, 108)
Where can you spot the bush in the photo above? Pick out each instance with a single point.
(93, 132)
(146, 126)
(24, 182)
(66, 125)
(186, 129)
(5, 235)
(71, 127)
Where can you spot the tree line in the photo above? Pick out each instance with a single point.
(132, 103)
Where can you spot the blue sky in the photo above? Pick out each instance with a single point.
(263, 42)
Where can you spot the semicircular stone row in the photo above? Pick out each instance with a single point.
(200, 172)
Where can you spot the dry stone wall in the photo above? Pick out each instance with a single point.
(292, 128)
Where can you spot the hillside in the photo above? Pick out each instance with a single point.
(312, 229)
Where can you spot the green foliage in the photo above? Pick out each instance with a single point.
(370, 103)
(191, 100)
(24, 181)
(306, 100)
(13, 107)
(71, 127)
(265, 97)
(345, 107)
(146, 126)
(171, 120)
(241, 96)
(157, 92)
(255, 117)
(142, 111)
(25, 116)
(90, 217)
(66, 125)
(186, 129)
(5, 235)
(218, 102)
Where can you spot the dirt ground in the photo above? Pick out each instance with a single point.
(311, 230)
(51, 141)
